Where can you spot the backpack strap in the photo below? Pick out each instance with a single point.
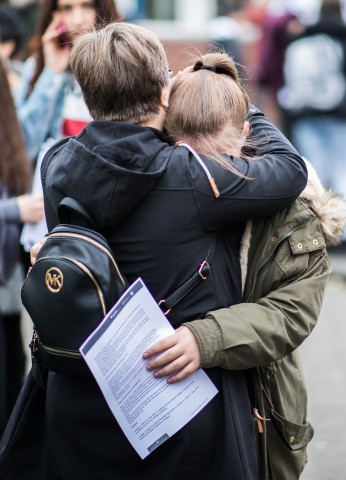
(202, 274)
(72, 212)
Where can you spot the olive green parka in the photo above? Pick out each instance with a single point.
(285, 269)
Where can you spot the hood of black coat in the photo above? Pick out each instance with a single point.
(109, 168)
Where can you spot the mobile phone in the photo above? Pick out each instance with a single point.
(63, 37)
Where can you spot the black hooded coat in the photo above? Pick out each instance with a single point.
(155, 205)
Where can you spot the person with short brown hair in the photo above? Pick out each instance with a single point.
(124, 80)
(161, 211)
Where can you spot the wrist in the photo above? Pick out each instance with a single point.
(209, 339)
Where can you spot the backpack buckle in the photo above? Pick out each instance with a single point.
(202, 268)
(161, 302)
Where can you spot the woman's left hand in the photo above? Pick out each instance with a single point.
(179, 358)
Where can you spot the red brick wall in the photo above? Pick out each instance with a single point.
(178, 53)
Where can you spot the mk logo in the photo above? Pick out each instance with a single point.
(54, 280)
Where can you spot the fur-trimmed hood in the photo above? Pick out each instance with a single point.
(329, 207)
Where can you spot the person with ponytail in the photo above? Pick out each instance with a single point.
(162, 208)
(208, 110)
(49, 101)
(284, 269)
(16, 207)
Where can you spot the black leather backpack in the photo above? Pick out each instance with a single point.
(73, 284)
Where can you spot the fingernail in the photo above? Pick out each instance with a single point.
(146, 355)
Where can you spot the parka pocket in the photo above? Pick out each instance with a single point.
(307, 240)
(286, 445)
(295, 436)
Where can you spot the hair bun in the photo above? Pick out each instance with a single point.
(201, 66)
(223, 66)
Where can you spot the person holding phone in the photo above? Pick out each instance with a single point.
(49, 101)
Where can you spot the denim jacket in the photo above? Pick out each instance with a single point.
(40, 114)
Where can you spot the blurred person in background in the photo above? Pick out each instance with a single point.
(49, 100)
(15, 207)
(28, 11)
(314, 94)
(12, 40)
(226, 32)
(278, 28)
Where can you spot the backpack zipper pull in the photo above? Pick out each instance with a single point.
(257, 417)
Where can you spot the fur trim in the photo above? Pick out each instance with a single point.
(244, 252)
(328, 206)
(331, 210)
(314, 186)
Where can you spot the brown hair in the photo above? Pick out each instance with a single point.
(15, 170)
(106, 12)
(122, 70)
(208, 108)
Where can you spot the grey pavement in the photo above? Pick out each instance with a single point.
(324, 363)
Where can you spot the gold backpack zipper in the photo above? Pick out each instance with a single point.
(93, 242)
(90, 275)
(93, 279)
(60, 351)
(73, 353)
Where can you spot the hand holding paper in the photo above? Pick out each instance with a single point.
(180, 353)
(147, 407)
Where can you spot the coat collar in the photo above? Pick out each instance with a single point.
(314, 201)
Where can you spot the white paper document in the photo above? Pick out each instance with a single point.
(148, 410)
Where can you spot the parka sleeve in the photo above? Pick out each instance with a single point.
(248, 335)
(273, 181)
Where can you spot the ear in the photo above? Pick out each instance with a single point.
(164, 99)
(246, 128)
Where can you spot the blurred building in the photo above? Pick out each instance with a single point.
(184, 25)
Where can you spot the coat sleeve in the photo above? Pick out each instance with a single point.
(252, 334)
(9, 211)
(274, 180)
(37, 111)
